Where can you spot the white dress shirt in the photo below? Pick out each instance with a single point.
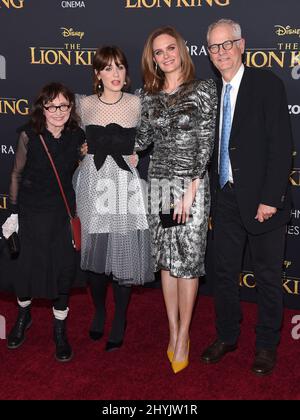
(235, 83)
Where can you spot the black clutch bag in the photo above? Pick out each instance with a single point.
(167, 219)
(13, 244)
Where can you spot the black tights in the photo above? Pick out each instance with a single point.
(60, 304)
(98, 284)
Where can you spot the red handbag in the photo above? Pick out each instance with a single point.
(75, 224)
(76, 232)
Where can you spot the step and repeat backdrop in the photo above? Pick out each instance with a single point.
(54, 40)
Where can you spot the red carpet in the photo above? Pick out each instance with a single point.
(140, 370)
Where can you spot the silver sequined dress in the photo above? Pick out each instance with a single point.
(110, 195)
(182, 128)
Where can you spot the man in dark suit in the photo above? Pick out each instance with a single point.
(250, 194)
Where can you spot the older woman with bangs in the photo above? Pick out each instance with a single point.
(45, 266)
(178, 116)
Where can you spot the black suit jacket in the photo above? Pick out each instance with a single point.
(260, 149)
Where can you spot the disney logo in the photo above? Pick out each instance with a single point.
(286, 30)
(66, 33)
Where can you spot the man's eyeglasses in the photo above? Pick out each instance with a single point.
(226, 45)
(54, 108)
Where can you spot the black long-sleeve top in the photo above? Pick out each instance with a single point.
(33, 184)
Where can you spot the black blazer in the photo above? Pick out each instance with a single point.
(260, 149)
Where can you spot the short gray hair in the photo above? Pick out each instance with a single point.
(236, 27)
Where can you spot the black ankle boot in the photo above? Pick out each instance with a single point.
(16, 336)
(64, 351)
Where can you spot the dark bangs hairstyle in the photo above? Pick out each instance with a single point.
(47, 94)
(103, 57)
(153, 77)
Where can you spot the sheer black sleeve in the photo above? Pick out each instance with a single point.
(16, 175)
(81, 139)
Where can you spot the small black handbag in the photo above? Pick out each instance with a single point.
(13, 244)
(167, 219)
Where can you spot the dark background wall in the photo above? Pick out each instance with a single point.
(45, 40)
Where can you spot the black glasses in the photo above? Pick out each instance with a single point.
(54, 108)
(226, 45)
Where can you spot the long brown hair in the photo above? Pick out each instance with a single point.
(154, 78)
(103, 57)
(46, 95)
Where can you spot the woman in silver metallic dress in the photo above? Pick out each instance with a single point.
(178, 116)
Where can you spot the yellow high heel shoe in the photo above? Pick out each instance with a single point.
(178, 366)
(170, 354)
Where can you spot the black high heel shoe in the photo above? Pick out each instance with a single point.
(94, 333)
(115, 345)
(111, 346)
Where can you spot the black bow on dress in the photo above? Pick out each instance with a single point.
(112, 140)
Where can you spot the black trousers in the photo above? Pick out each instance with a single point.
(60, 304)
(267, 253)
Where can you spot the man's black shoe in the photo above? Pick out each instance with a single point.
(264, 362)
(216, 351)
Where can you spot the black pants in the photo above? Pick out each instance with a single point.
(99, 284)
(267, 253)
(60, 304)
